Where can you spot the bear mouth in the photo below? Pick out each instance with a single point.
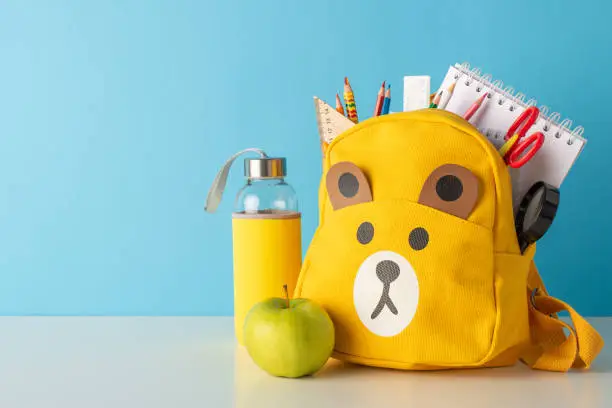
(385, 300)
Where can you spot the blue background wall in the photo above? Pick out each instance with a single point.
(116, 115)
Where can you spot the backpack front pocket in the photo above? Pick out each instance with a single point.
(405, 284)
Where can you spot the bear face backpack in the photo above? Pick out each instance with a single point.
(416, 257)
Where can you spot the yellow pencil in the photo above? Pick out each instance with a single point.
(349, 101)
(446, 96)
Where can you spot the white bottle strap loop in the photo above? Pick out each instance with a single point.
(218, 186)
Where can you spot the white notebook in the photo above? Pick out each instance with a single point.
(562, 144)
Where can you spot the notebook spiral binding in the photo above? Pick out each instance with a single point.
(507, 95)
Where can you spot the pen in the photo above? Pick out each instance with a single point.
(349, 100)
(387, 101)
(474, 108)
(380, 100)
(339, 107)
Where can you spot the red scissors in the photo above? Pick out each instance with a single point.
(523, 150)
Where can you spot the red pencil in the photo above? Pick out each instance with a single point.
(379, 100)
(339, 107)
(474, 108)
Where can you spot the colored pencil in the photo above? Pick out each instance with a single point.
(474, 108)
(380, 100)
(349, 100)
(387, 101)
(436, 100)
(447, 95)
(339, 107)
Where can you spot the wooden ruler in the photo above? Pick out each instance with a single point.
(330, 122)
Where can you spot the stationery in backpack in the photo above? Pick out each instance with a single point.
(562, 144)
(329, 121)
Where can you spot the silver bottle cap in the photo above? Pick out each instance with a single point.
(265, 167)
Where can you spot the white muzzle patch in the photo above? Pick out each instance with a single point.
(386, 293)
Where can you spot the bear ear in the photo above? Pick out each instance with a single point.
(452, 189)
(347, 185)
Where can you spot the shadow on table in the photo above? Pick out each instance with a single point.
(339, 368)
(348, 384)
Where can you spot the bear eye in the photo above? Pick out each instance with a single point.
(365, 233)
(418, 239)
(449, 188)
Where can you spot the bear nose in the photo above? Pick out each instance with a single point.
(387, 271)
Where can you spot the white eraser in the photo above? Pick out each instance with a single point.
(416, 92)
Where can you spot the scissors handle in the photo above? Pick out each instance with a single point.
(524, 122)
(524, 150)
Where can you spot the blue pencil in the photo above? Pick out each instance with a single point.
(387, 101)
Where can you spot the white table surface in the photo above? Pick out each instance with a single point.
(184, 362)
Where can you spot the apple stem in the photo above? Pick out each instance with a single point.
(286, 295)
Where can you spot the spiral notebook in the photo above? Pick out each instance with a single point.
(562, 144)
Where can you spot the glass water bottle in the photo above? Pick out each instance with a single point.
(266, 225)
(267, 236)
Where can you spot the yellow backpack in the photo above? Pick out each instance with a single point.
(416, 258)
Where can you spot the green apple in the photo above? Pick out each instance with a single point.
(289, 337)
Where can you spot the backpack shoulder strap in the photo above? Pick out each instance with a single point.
(551, 349)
